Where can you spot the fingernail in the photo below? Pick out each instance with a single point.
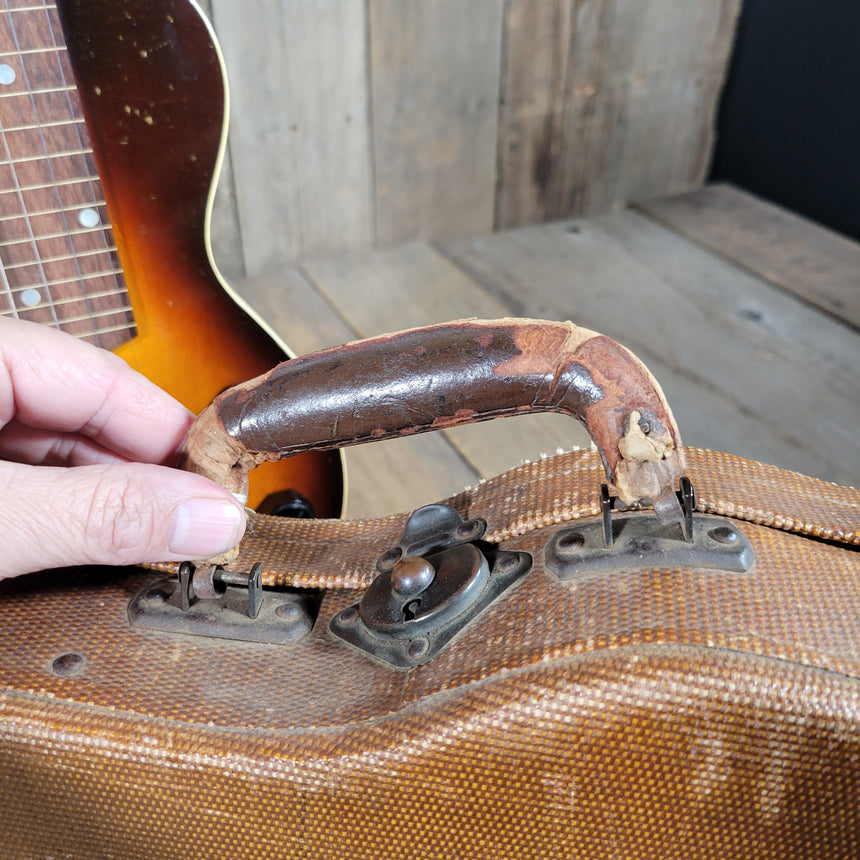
(205, 527)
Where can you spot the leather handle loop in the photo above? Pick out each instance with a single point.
(440, 376)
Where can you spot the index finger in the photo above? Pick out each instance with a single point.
(53, 381)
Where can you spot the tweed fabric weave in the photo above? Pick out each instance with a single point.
(673, 713)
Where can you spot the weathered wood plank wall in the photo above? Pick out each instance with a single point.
(360, 123)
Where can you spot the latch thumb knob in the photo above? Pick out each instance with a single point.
(411, 576)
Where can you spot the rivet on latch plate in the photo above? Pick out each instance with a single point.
(429, 588)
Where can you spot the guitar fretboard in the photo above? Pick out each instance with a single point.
(58, 260)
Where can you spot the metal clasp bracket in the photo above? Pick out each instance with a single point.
(223, 604)
(640, 541)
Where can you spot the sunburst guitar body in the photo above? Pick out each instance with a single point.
(114, 123)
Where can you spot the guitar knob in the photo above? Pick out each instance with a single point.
(288, 503)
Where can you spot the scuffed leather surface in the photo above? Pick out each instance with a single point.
(438, 377)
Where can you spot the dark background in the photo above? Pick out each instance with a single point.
(789, 120)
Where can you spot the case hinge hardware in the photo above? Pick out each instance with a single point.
(431, 586)
(224, 604)
(633, 541)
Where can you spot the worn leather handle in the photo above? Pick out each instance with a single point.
(441, 376)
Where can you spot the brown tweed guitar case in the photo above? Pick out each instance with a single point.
(634, 651)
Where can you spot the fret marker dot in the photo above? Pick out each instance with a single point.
(7, 74)
(88, 218)
(31, 298)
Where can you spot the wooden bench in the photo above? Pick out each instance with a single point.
(747, 314)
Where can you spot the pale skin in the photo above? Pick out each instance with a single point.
(87, 448)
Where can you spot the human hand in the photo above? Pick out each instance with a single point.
(86, 444)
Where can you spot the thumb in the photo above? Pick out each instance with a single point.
(111, 514)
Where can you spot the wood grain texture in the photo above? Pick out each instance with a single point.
(435, 78)
(368, 123)
(745, 370)
(299, 132)
(746, 367)
(606, 102)
(811, 262)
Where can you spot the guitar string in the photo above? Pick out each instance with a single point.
(58, 282)
(22, 287)
(106, 231)
(107, 329)
(102, 294)
(56, 124)
(87, 252)
(48, 156)
(88, 180)
(75, 207)
(45, 283)
(9, 11)
(4, 279)
(43, 91)
(7, 289)
(83, 231)
(41, 186)
(89, 315)
(109, 250)
(26, 52)
(15, 177)
(13, 310)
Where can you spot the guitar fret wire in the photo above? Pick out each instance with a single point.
(44, 91)
(65, 258)
(96, 315)
(62, 209)
(47, 155)
(108, 330)
(26, 81)
(10, 243)
(57, 282)
(77, 132)
(8, 289)
(83, 231)
(29, 52)
(93, 179)
(70, 300)
(60, 123)
(47, 6)
(107, 294)
(123, 309)
(58, 47)
(96, 332)
(4, 279)
(71, 319)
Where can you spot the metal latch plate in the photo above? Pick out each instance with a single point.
(416, 644)
(640, 542)
(283, 618)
